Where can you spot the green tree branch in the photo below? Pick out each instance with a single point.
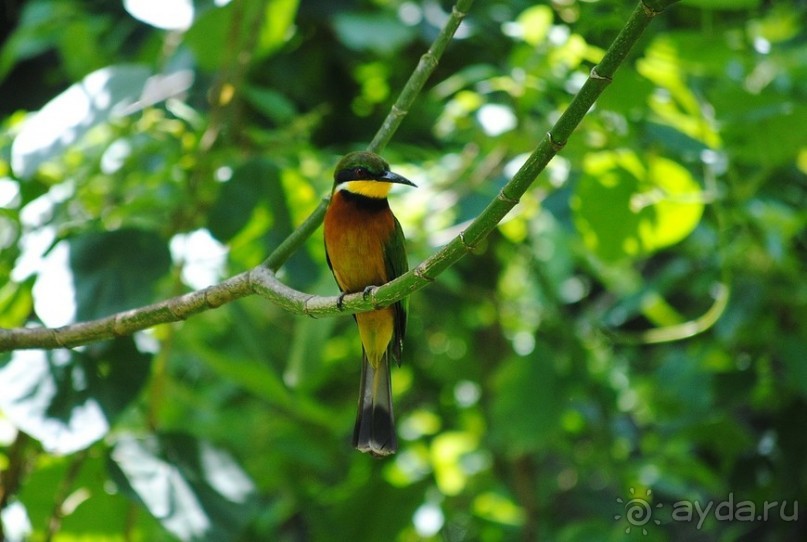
(415, 83)
(262, 279)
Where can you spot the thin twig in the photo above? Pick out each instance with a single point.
(428, 62)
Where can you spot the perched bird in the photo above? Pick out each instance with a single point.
(364, 246)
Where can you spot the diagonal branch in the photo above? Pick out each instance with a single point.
(428, 62)
(262, 280)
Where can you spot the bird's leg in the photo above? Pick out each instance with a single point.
(341, 299)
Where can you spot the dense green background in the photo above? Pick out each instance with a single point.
(549, 378)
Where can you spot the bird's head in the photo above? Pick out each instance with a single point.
(366, 174)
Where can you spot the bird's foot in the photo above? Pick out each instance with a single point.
(340, 301)
(367, 291)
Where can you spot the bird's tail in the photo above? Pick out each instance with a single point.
(375, 424)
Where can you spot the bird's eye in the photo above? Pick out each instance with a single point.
(360, 173)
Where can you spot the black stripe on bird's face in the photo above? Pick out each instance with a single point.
(355, 174)
(366, 166)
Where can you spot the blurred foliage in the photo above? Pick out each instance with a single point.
(144, 153)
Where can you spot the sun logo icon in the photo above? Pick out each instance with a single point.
(638, 511)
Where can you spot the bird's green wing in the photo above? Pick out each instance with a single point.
(397, 265)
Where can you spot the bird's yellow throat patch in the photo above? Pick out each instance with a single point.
(370, 189)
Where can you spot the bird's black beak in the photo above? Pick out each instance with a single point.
(390, 177)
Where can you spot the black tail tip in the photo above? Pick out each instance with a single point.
(375, 432)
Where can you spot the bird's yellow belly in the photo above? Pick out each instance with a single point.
(375, 330)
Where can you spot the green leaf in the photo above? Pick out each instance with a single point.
(271, 103)
(16, 302)
(535, 23)
(527, 402)
(498, 508)
(93, 512)
(678, 143)
(238, 198)
(116, 271)
(196, 491)
(68, 399)
(365, 512)
(793, 352)
(447, 451)
(624, 209)
(727, 5)
(166, 15)
(777, 121)
(381, 33)
(207, 37)
(304, 361)
(36, 31)
(277, 25)
(64, 120)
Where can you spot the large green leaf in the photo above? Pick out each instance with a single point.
(277, 25)
(68, 399)
(277, 107)
(626, 209)
(195, 490)
(167, 14)
(117, 270)
(239, 196)
(93, 513)
(387, 36)
(777, 121)
(728, 5)
(527, 403)
(63, 121)
(207, 37)
(16, 302)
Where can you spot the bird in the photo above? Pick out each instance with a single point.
(364, 247)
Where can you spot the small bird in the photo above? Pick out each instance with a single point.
(364, 246)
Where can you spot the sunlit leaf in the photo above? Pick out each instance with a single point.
(198, 492)
(679, 106)
(625, 209)
(656, 309)
(92, 512)
(67, 400)
(535, 23)
(16, 302)
(117, 270)
(277, 26)
(166, 14)
(63, 121)
(388, 34)
(498, 508)
(447, 451)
